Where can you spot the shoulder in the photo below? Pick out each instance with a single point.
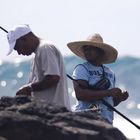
(81, 72)
(81, 69)
(82, 66)
(47, 47)
(108, 69)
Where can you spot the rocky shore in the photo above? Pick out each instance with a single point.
(23, 118)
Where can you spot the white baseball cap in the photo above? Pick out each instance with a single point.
(15, 33)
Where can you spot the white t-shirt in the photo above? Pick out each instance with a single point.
(49, 61)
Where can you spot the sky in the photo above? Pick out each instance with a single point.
(62, 21)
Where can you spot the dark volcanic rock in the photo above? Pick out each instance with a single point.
(23, 118)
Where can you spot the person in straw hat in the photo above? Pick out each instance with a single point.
(94, 80)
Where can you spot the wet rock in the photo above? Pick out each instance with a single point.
(2, 138)
(23, 118)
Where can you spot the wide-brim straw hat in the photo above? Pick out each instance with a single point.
(95, 40)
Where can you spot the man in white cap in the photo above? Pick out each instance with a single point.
(95, 81)
(48, 78)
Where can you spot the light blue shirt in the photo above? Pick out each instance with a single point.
(93, 74)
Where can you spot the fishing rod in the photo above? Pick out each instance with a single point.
(3, 29)
(111, 107)
(104, 102)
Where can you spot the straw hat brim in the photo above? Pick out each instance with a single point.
(110, 52)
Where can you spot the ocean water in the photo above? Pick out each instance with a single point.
(15, 73)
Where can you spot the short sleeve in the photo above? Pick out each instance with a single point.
(49, 61)
(80, 73)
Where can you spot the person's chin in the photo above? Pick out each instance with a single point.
(27, 54)
(88, 58)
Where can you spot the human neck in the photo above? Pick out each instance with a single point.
(96, 63)
(36, 43)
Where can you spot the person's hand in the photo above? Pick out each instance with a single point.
(118, 95)
(115, 92)
(124, 96)
(24, 91)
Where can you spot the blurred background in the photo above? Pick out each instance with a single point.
(64, 21)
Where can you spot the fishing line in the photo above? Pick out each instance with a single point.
(111, 107)
(3, 29)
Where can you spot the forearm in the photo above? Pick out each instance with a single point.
(85, 94)
(48, 82)
(90, 95)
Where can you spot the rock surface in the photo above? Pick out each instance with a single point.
(23, 118)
